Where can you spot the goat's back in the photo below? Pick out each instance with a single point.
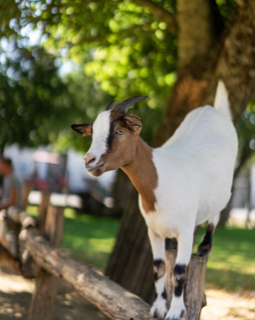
(195, 166)
(204, 126)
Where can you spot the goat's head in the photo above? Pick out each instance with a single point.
(114, 137)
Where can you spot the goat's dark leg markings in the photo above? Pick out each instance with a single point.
(205, 246)
(163, 294)
(179, 279)
(159, 272)
(159, 268)
(158, 308)
(177, 307)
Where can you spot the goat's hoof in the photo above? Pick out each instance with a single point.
(158, 308)
(203, 251)
(176, 314)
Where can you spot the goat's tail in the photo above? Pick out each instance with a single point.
(221, 102)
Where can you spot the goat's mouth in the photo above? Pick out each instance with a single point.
(95, 171)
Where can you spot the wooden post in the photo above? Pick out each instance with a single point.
(26, 188)
(194, 298)
(11, 262)
(42, 211)
(46, 284)
(29, 267)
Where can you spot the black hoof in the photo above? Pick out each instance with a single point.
(204, 251)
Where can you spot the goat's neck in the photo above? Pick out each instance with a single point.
(142, 172)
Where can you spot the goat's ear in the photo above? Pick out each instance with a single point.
(85, 129)
(133, 122)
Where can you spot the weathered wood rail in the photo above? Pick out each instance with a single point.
(40, 255)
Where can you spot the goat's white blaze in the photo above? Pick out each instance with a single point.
(101, 130)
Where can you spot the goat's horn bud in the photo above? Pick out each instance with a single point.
(126, 104)
(110, 105)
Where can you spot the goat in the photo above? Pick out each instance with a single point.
(184, 183)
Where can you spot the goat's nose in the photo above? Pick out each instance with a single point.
(89, 158)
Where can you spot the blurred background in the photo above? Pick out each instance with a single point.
(62, 61)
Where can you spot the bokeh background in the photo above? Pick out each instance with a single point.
(62, 61)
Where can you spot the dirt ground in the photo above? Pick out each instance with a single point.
(16, 293)
(15, 297)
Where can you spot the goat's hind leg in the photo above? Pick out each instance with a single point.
(205, 246)
(158, 308)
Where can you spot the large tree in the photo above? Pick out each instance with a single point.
(141, 47)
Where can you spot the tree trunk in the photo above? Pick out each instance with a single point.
(130, 264)
(121, 192)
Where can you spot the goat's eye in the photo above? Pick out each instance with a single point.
(120, 131)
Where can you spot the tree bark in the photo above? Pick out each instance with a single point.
(161, 14)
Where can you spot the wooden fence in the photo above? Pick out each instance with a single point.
(37, 253)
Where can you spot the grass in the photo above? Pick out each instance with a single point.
(231, 266)
(87, 238)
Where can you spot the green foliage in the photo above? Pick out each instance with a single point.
(120, 44)
(37, 106)
(30, 89)
(227, 8)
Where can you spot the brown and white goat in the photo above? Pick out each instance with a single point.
(184, 183)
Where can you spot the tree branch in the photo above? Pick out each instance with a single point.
(161, 14)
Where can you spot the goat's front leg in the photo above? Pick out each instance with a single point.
(177, 308)
(158, 308)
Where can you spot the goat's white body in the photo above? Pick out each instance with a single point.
(195, 169)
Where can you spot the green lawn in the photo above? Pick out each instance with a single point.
(231, 266)
(87, 238)
(90, 238)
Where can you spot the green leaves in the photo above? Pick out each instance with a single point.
(30, 89)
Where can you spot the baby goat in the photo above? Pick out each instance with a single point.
(182, 184)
